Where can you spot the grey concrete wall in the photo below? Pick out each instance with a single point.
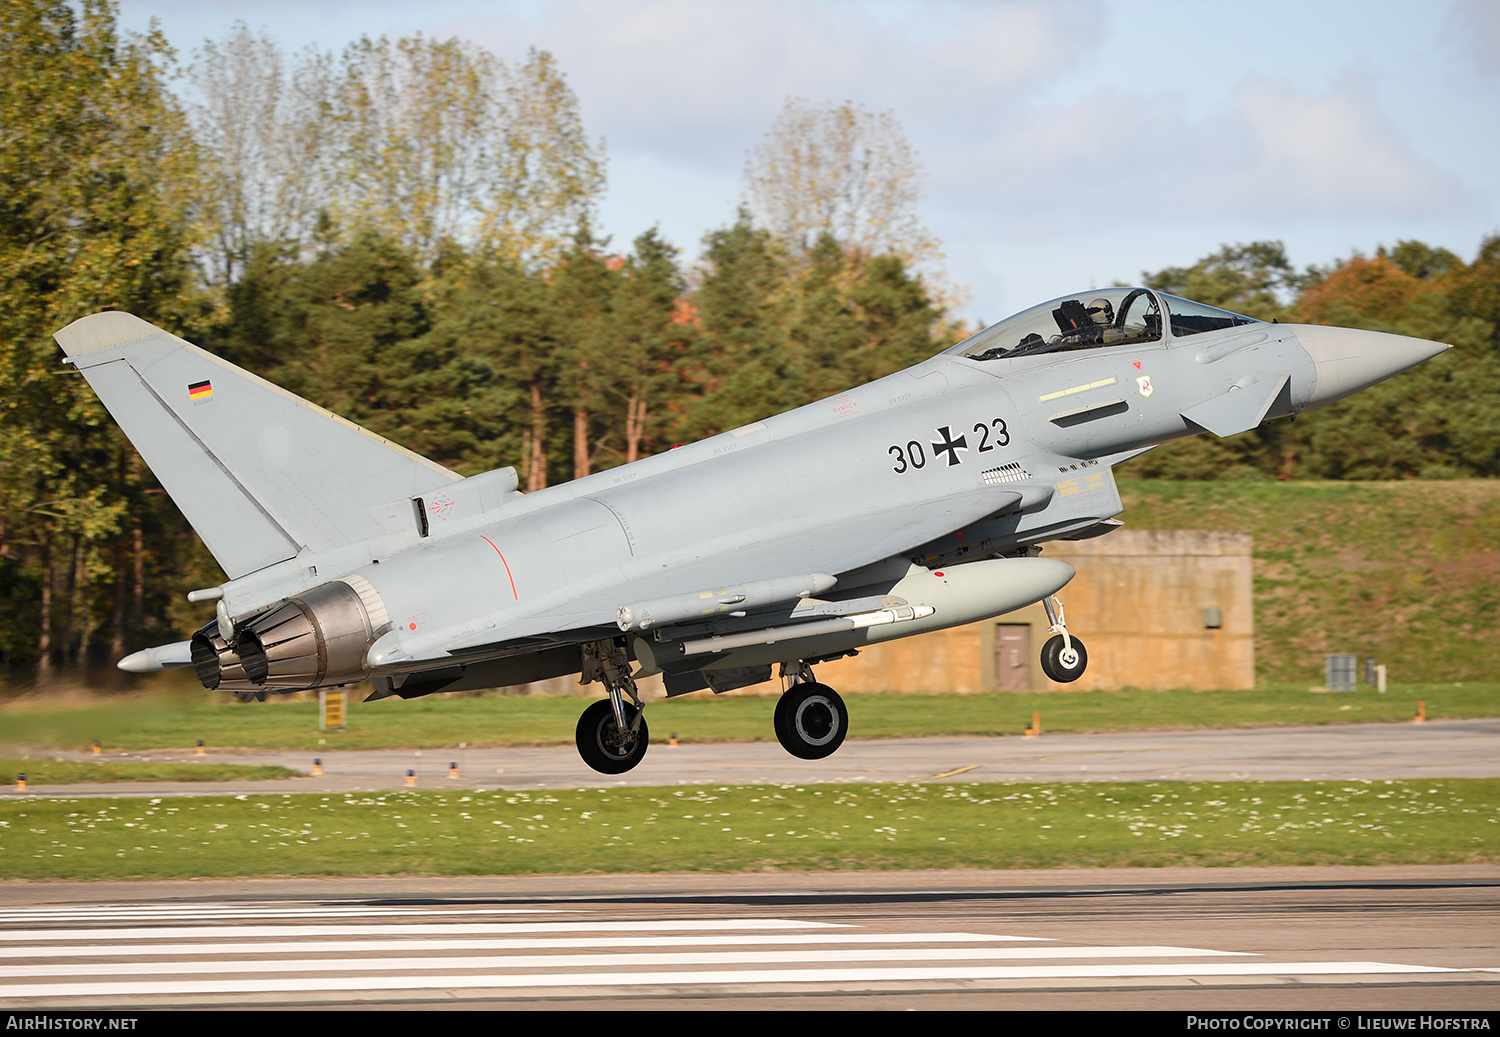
(1137, 603)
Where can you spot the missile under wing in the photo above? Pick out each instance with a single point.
(916, 502)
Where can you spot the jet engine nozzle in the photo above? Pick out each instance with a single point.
(317, 639)
(1348, 360)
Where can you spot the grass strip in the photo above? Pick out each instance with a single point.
(143, 724)
(754, 828)
(44, 771)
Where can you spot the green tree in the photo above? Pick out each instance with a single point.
(1440, 420)
(263, 126)
(652, 333)
(741, 308)
(848, 173)
(775, 336)
(441, 141)
(96, 184)
(583, 286)
(1251, 279)
(546, 176)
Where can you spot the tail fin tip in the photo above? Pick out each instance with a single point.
(102, 330)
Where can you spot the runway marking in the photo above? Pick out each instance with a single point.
(949, 774)
(41, 914)
(454, 929)
(596, 961)
(568, 943)
(417, 959)
(699, 977)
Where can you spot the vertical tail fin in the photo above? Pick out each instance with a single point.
(261, 474)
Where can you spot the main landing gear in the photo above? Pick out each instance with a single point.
(811, 720)
(1063, 656)
(612, 735)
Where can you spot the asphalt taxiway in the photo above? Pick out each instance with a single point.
(1438, 749)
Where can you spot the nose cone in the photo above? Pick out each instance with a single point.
(1348, 360)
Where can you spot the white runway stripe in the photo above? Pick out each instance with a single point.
(502, 944)
(599, 961)
(31, 916)
(225, 932)
(388, 984)
(301, 951)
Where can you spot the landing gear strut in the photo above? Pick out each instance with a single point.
(1063, 656)
(612, 736)
(811, 720)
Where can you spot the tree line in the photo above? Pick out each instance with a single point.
(1440, 420)
(406, 234)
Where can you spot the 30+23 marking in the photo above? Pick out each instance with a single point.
(913, 456)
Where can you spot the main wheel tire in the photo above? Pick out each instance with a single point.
(811, 721)
(1061, 665)
(602, 744)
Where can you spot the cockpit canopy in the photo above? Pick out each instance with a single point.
(1089, 320)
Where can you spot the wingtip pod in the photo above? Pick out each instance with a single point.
(104, 330)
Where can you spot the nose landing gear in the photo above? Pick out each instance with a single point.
(1063, 656)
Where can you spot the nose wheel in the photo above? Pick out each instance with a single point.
(1063, 662)
(1063, 656)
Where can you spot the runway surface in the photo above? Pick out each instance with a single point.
(1224, 938)
(1221, 938)
(1439, 749)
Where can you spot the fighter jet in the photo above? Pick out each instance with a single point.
(919, 501)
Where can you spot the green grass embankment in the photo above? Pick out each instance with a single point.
(756, 828)
(42, 770)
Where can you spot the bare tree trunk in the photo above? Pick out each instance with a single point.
(536, 474)
(44, 639)
(117, 629)
(138, 613)
(580, 443)
(635, 425)
(80, 610)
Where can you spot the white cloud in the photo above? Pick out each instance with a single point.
(701, 82)
(1474, 27)
(1335, 155)
(1092, 128)
(1274, 154)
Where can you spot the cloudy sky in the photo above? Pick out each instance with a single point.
(1066, 143)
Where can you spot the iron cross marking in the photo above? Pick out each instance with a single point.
(950, 446)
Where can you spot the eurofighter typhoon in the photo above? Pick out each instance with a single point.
(916, 502)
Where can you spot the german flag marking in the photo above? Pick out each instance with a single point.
(200, 390)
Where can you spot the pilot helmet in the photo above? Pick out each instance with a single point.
(1102, 311)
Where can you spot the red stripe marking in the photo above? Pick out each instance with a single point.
(503, 562)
